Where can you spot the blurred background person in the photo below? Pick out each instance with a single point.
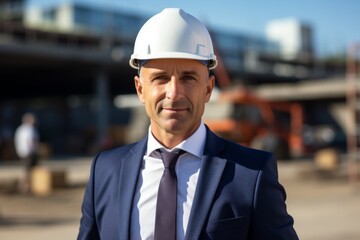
(26, 142)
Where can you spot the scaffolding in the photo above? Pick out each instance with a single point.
(353, 101)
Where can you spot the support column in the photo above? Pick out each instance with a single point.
(102, 96)
(353, 101)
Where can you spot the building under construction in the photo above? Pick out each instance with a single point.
(68, 63)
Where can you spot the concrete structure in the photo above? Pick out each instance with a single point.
(69, 69)
(295, 38)
(72, 17)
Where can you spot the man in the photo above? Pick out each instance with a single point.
(224, 190)
(26, 145)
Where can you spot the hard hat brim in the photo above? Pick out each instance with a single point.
(172, 55)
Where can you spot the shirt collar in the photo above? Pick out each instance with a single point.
(193, 144)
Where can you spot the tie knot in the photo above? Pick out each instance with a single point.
(169, 158)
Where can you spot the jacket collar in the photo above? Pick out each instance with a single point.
(127, 185)
(211, 171)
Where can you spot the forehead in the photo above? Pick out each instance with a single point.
(171, 65)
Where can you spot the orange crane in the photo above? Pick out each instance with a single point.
(245, 130)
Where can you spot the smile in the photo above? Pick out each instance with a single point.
(174, 109)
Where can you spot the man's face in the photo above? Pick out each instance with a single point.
(174, 92)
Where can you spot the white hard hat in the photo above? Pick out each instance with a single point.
(173, 33)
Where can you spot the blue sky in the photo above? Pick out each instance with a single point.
(336, 23)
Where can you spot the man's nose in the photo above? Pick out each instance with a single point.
(173, 88)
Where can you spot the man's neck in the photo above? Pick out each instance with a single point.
(171, 139)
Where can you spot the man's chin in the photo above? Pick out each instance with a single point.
(174, 125)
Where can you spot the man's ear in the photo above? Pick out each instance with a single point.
(210, 87)
(139, 88)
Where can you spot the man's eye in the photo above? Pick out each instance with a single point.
(188, 77)
(160, 78)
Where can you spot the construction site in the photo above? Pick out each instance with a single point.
(75, 77)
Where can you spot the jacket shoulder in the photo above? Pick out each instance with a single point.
(116, 155)
(117, 150)
(240, 154)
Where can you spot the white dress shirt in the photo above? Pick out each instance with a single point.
(187, 169)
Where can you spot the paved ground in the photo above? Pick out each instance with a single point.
(323, 207)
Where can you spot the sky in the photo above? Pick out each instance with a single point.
(335, 23)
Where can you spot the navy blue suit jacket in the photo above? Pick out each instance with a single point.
(238, 195)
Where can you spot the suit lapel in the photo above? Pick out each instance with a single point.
(130, 168)
(211, 171)
(212, 168)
